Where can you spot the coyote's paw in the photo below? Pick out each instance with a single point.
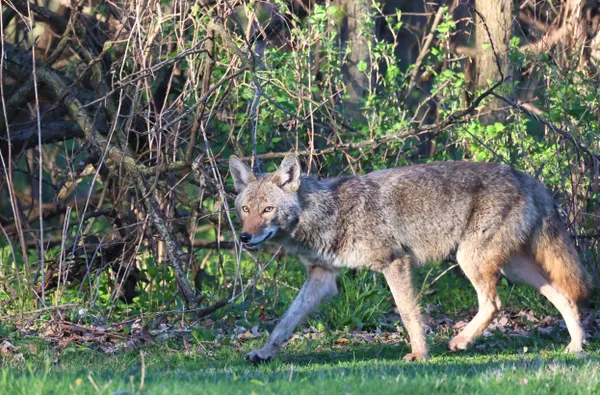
(415, 356)
(259, 356)
(459, 343)
(574, 347)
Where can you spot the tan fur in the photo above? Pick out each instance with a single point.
(254, 223)
(495, 218)
(552, 248)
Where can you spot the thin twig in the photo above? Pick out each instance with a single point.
(442, 275)
(570, 136)
(42, 310)
(424, 51)
(254, 121)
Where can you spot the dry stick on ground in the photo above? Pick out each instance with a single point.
(198, 312)
(42, 310)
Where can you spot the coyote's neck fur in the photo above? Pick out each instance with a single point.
(314, 227)
(319, 233)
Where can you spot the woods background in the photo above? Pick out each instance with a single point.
(118, 118)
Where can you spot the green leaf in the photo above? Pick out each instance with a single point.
(362, 66)
(515, 41)
(491, 131)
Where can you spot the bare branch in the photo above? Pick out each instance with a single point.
(24, 137)
(55, 20)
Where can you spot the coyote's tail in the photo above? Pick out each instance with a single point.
(554, 250)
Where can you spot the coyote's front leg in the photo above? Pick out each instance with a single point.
(319, 285)
(398, 277)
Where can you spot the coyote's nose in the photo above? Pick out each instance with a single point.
(245, 237)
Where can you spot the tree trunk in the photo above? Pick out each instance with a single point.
(354, 33)
(496, 25)
(498, 18)
(576, 39)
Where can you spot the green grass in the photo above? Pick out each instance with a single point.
(496, 364)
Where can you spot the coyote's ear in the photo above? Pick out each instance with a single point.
(242, 174)
(288, 176)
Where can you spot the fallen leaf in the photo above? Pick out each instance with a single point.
(9, 351)
(246, 336)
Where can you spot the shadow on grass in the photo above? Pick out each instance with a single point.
(373, 362)
(487, 348)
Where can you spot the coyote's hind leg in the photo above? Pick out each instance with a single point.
(524, 269)
(483, 276)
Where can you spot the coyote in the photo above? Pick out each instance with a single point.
(496, 219)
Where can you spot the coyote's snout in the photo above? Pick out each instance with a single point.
(495, 218)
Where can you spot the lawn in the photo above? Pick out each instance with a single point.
(499, 363)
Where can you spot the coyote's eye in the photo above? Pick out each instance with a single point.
(268, 209)
(245, 209)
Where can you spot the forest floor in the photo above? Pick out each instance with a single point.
(157, 353)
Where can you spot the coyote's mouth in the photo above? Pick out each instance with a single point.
(254, 242)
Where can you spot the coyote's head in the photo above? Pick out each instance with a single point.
(266, 204)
